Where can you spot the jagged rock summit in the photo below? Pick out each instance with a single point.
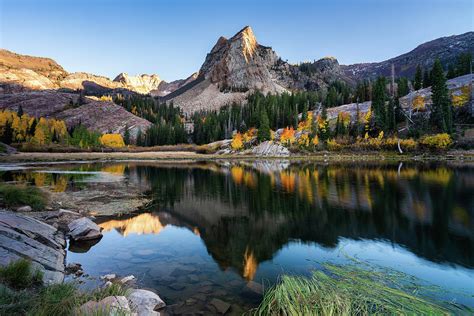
(232, 69)
(142, 84)
(241, 64)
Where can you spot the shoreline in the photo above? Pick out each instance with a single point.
(187, 156)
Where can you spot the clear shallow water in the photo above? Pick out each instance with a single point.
(213, 228)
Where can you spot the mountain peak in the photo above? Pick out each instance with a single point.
(248, 42)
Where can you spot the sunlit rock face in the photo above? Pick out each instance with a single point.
(142, 84)
(241, 63)
(141, 224)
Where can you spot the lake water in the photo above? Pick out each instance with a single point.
(219, 230)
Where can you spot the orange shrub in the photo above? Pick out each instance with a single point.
(288, 136)
(237, 143)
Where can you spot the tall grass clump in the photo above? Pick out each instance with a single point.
(16, 195)
(349, 290)
(20, 275)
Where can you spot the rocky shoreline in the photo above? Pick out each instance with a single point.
(24, 237)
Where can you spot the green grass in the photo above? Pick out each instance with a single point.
(16, 195)
(20, 275)
(21, 293)
(350, 290)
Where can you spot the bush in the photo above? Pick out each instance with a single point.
(19, 274)
(14, 195)
(112, 140)
(333, 145)
(436, 142)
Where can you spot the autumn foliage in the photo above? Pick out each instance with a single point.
(288, 136)
(237, 143)
(112, 140)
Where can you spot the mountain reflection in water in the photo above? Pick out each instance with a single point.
(247, 213)
(140, 224)
(213, 227)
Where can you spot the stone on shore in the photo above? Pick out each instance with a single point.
(24, 209)
(84, 229)
(145, 302)
(24, 237)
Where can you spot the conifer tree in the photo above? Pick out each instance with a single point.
(417, 83)
(426, 78)
(441, 114)
(264, 132)
(378, 103)
(126, 136)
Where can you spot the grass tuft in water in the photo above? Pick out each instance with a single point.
(18, 195)
(350, 290)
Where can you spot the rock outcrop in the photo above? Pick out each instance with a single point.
(24, 237)
(270, 149)
(84, 229)
(142, 84)
(20, 73)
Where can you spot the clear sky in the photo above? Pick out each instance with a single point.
(171, 37)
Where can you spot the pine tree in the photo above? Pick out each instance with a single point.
(391, 120)
(426, 78)
(463, 65)
(264, 132)
(402, 87)
(20, 111)
(441, 114)
(417, 82)
(126, 136)
(139, 138)
(378, 103)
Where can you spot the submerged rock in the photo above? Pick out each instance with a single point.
(221, 306)
(145, 302)
(24, 237)
(84, 229)
(127, 279)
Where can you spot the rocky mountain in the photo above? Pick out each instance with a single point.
(101, 116)
(23, 73)
(233, 69)
(238, 66)
(445, 48)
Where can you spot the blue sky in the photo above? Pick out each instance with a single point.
(171, 37)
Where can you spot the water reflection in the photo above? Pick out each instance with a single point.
(140, 224)
(260, 219)
(245, 215)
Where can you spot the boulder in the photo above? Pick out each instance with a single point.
(24, 237)
(145, 302)
(24, 209)
(84, 229)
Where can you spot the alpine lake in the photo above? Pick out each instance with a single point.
(230, 229)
